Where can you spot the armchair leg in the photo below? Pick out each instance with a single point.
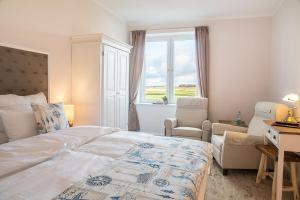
(225, 172)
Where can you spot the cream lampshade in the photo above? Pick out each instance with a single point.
(70, 114)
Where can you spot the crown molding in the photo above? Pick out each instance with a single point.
(277, 8)
(110, 11)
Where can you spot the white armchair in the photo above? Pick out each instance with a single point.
(191, 119)
(234, 147)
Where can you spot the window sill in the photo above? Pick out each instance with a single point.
(152, 104)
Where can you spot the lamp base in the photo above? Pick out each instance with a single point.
(71, 124)
(291, 119)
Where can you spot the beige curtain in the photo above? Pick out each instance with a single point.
(202, 53)
(136, 66)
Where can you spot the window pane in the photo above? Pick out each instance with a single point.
(185, 78)
(155, 70)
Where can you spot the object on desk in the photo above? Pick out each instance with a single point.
(291, 118)
(293, 101)
(286, 124)
(238, 117)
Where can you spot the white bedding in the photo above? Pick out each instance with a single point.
(58, 166)
(24, 153)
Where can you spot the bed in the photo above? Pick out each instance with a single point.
(96, 163)
(92, 162)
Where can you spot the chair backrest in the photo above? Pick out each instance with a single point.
(266, 111)
(191, 111)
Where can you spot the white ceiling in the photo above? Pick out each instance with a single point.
(145, 12)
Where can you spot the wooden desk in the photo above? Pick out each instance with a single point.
(285, 139)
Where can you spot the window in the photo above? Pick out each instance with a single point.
(169, 67)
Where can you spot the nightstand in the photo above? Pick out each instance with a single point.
(234, 123)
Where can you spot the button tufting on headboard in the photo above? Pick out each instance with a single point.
(23, 72)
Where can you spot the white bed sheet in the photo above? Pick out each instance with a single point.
(57, 161)
(24, 153)
(48, 179)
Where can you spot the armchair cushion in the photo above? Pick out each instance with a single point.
(218, 141)
(191, 111)
(236, 138)
(219, 129)
(187, 132)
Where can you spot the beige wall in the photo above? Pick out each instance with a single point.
(285, 59)
(239, 70)
(47, 26)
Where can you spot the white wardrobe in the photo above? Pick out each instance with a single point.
(100, 75)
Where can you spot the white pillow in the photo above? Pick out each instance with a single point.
(38, 98)
(18, 124)
(16, 107)
(12, 99)
(20, 103)
(50, 117)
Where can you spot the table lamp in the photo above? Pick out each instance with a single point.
(294, 103)
(70, 114)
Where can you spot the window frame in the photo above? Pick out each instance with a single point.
(169, 38)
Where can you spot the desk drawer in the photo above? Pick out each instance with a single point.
(273, 135)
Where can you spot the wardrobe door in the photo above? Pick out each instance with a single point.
(122, 89)
(109, 86)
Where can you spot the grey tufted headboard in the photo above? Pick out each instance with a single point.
(23, 72)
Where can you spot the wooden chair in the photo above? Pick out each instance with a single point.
(270, 151)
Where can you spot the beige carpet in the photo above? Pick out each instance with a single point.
(238, 185)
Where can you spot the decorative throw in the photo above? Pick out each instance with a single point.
(50, 117)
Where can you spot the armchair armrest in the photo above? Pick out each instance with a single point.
(219, 129)
(236, 138)
(206, 128)
(170, 123)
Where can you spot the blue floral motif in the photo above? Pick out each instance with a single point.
(78, 196)
(186, 192)
(161, 182)
(155, 166)
(143, 178)
(186, 178)
(146, 145)
(98, 181)
(165, 196)
(136, 153)
(168, 191)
